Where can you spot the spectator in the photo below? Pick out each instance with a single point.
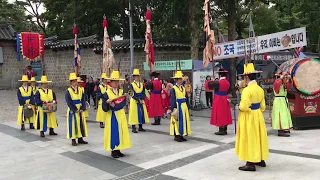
(30, 73)
(208, 93)
(90, 90)
(95, 90)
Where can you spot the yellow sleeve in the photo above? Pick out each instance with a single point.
(263, 102)
(245, 102)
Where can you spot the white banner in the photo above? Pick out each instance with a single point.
(261, 44)
(282, 40)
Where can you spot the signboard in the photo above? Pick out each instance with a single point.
(170, 65)
(261, 44)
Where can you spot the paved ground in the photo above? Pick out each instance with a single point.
(154, 155)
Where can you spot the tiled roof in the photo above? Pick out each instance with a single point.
(53, 43)
(7, 32)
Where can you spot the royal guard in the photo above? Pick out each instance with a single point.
(101, 115)
(116, 132)
(180, 118)
(281, 117)
(86, 112)
(252, 140)
(221, 113)
(155, 108)
(138, 114)
(45, 100)
(26, 100)
(34, 90)
(76, 120)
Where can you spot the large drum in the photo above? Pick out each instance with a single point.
(305, 75)
(120, 102)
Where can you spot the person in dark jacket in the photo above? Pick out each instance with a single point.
(90, 90)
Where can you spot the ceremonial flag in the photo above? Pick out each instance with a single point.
(209, 40)
(149, 47)
(251, 30)
(108, 58)
(77, 57)
(297, 51)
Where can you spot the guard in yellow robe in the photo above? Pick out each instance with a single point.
(116, 132)
(101, 115)
(252, 140)
(34, 107)
(86, 112)
(45, 120)
(76, 120)
(180, 118)
(26, 100)
(138, 113)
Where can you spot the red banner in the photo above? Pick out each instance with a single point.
(31, 48)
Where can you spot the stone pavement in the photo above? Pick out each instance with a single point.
(154, 154)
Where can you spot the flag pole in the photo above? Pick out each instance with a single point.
(319, 46)
(131, 41)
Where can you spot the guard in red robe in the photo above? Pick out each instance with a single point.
(155, 108)
(221, 113)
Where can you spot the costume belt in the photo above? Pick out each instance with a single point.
(156, 92)
(25, 98)
(255, 106)
(219, 93)
(180, 115)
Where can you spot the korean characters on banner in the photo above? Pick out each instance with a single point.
(235, 48)
(282, 40)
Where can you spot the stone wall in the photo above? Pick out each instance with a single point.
(59, 64)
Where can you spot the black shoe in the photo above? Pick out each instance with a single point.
(283, 134)
(261, 164)
(73, 142)
(156, 122)
(248, 167)
(183, 139)
(178, 139)
(114, 154)
(140, 128)
(101, 125)
(221, 131)
(31, 126)
(52, 133)
(134, 130)
(23, 128)
(119, 153)
(42, 134)
(81, 141)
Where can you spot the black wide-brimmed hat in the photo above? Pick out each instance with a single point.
(221, 70)
(154, 74)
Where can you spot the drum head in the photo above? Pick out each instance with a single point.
(28, 113)
(120, 102)
(305, 75)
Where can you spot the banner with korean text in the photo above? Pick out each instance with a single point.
(261, 44)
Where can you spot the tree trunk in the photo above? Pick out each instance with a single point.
(194, 30)
(232, 37)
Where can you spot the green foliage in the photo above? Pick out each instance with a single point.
(11, 13)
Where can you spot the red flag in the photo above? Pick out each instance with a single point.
(149, 47)
(30, 45)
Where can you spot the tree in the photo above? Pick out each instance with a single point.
(11, 13)
(32, 7)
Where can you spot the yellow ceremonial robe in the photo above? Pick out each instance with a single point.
(76, 121)
(26, 95)
(101, 115)
(182, 125)
(45, 120)
(138, 113)
(86, 112)
(116, 132)
(252, 140)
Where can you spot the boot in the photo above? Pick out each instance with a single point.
(282, 133)
(81, 141)
(22, 127)
(114, 154)
(31, 126)
(73, 142)
(183, 139)
(261, 164)
(52, 133)
(287, 131)
(248, 167)
(119, 153)
(101, 125)
(225, 129)
(221, 131)
(177, 138)
(156, 121)
(140, 128)
(134, 129)
(42, 134)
